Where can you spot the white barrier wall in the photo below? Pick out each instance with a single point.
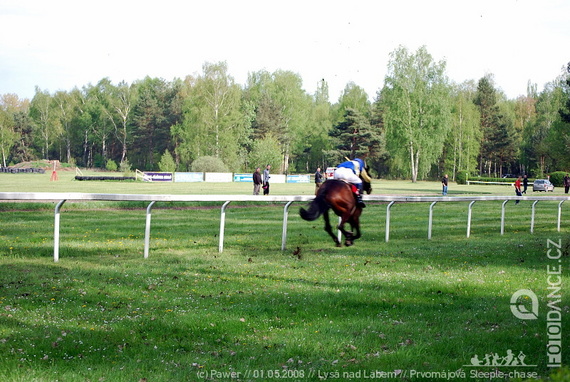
(220, 177)
(277, 178)
(223, 177)
(248, 178)
(299, 178)
(188, 176)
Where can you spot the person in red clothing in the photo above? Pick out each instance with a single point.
(518, 188)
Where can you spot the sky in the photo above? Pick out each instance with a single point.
(62, 44)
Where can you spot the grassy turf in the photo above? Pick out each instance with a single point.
(312, 312)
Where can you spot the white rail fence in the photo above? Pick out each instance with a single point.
(61, 198)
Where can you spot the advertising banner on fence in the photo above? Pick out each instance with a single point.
(243, 178)
(277, 178)
(188, 176)
(298, 178)
(219, 177)
(157, 177)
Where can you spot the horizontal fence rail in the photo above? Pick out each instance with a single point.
(61, 198)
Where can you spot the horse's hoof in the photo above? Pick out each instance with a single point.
(338, 244)
(348, 243)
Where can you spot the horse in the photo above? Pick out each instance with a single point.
(338, 195)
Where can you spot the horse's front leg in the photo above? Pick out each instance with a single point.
(355, 223)
(355, 226)
(356, 232)
(328, 228)
(347, 234)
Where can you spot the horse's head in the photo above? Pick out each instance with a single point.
(367, 187)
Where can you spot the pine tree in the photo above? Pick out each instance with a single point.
(354, 137)
(486, 100)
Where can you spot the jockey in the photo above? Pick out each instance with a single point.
(350, 171)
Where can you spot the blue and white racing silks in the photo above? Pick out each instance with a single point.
(355, 165)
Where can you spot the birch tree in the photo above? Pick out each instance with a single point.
(45, 119)
(213, 123)
(119, 110)
(316, 136)
(282, 110)
(100, 129)
(416, 100)
(464, 138)
(538, 143)
(65, 111)
(295, 105)
(7, 134)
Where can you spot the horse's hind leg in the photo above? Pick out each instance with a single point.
(328, 228)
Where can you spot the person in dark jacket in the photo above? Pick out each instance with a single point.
(318, 180)
(257, 181)
(444, 184)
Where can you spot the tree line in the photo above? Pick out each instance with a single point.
(420, 124)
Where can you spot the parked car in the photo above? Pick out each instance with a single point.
(542, 185)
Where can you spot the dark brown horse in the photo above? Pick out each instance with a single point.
(338, 196)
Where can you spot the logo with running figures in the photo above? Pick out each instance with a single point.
(494, 359)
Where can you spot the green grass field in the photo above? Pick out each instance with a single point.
(410, 309)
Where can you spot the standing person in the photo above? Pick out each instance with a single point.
(318, 180)
(518, 188)
(257, 181)
(350, 171)
(444, 183)
(266, 179)
(566, 183)
(525, 183)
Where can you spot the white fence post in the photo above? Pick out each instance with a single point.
(559, 214)
(147, 229)
(503, 217)
(532, 217)
(430, 221)
(222, 226)
(56, 231)
(388, 209)
(469, 218)
(285, 220)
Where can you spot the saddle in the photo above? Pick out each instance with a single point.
(353, 188)
(357, 195)
(355, 192)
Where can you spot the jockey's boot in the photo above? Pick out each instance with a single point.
(358, 195)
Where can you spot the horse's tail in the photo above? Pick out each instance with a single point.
(316, 209)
